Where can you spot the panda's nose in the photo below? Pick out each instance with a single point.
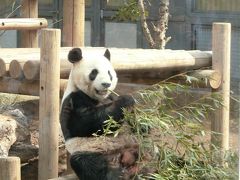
(106, 85)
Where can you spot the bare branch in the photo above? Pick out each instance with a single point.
(146, 30)
(10, 14)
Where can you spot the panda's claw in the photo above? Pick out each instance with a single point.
(125, 101)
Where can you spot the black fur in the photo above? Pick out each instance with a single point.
(110, 75)
(107, 54)
(93, 166)
(81, 116)
(75, 55)
(93, 74)
(89, 166)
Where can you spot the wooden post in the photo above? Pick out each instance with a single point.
(73, 22)
(29, 9)
(10, 168)
(221, 46)
(49, 103)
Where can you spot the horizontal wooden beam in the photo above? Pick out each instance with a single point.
(130, 60)
(31, 69)
(22, 23)
(24, 87)
(213, 77)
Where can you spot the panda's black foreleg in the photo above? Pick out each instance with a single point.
(93, 166)
(89, 165)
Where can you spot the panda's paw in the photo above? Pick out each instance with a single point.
(125, 101)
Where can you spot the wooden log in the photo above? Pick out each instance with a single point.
(31, 69)
(14, 86)
(16, 69)
(208, 76)
(4, 68)
(161, 59)
(73, 22)
(23, 23)
(24, 87)
(49, 103)
(137, 60)
(221, 46)
(29, 9)
(10, 168)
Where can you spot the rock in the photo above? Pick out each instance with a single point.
(18, 116)
(7, 134)
(24, 151)
(22, 132)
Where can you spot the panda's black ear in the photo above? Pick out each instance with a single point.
(107, 54)
(75, 55)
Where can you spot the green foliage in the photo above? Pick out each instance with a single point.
(128, 12)
(111, 127)
(170, 130)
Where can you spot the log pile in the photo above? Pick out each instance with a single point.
(20, 67)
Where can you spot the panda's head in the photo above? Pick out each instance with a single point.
(92, 74)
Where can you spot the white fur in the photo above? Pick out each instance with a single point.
(79, 76)
(101, 144)
(79, 80)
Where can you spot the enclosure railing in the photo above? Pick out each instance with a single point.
(40, 72)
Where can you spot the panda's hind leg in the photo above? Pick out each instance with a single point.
(89, 165)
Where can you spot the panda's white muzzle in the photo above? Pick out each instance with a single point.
(101, 92)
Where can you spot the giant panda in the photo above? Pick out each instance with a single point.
(86, 105)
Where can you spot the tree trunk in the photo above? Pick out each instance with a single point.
(158, 39)
(162, 25)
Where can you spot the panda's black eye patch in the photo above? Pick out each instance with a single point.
(93, 74)
(110, 75)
